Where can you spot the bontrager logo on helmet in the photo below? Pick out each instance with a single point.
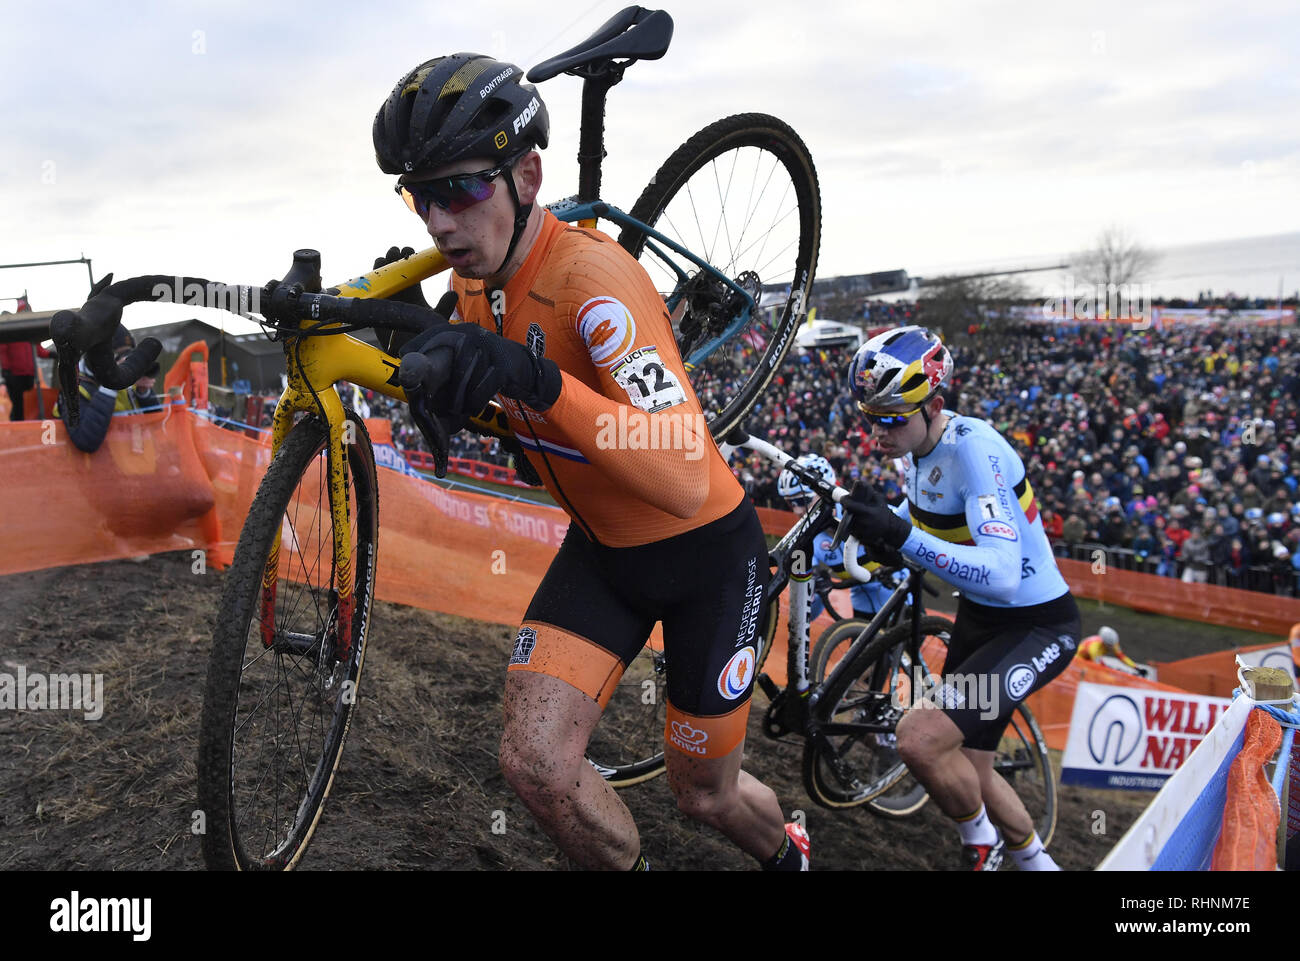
(456, 108)
(492, 84)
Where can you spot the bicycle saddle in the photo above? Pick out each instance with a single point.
(633, 33)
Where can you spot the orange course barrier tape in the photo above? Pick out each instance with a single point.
(147, 489)
(1250, 610)
(1248, 838)
(171, 481)
(190, 376)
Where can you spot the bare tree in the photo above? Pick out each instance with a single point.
(1116, 259)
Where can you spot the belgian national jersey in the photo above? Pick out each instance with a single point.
(975, 518)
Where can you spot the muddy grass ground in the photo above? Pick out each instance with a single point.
(419, 786)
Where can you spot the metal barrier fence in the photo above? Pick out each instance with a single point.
(1257, 578)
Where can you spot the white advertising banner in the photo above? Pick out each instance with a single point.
(1279, 657)
(1126, 737)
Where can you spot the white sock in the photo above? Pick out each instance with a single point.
(1032, 856)
(977, 829)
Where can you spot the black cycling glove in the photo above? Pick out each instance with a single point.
(873, 521)
(394, 340)
(479, 365)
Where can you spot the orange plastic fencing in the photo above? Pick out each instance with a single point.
(190, 377)
(38, 403)
(171, 480)
(380, 430)
(1214, 673)
(1251, 610)
(451, 551)
(147, 489)
(774, 521)
(1248, 839)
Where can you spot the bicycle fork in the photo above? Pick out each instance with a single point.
(336, 486)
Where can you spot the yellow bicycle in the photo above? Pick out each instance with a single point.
(290, 638)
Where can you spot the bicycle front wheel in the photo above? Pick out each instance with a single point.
(283, 675)
(1023, 761)
(908, 795)
(743, 194)
(627, 746)
(846, 770)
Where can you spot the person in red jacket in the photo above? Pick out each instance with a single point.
(18, 360)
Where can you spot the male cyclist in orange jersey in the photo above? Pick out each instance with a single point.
(568, 332)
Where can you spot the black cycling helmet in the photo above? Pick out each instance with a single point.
(456, 107)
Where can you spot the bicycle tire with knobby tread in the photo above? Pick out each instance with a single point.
(224, 846)
(882, 771)
(732, 133)
(907, 796)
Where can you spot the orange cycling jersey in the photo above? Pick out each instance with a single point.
(625, 449)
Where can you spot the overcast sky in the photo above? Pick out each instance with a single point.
(215, 138)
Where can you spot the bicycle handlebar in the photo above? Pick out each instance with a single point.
(831, 492)
(89, 330)
(850, 557)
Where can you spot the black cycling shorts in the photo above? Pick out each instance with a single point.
(705, 585)
(997, 657)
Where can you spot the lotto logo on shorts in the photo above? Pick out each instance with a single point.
(735, 677)
(689, 739)
(525, 641)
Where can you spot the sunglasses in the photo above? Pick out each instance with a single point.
(888, 421)
(452, 194)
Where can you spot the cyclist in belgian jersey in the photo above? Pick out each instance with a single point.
(969, 517)
(828, 559)
(566, 329)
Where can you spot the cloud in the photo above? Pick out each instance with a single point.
(219, 137)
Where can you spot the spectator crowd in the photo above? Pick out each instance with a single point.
(1176, 451)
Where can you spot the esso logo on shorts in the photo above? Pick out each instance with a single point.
(1019, 680)
(735, 677)
(607, 328)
